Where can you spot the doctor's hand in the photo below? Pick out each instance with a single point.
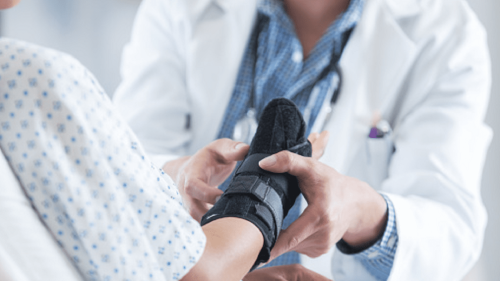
(338, 207)
(318, 143)
(293, 272)
(198, 176)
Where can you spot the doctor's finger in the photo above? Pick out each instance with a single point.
(295, 234)
(198, 209)
(312, 137)
(319, 144)
(227, 150)
(288, 162)
(201, 191)
(316, 245)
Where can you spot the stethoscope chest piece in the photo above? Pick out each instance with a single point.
(245, 128)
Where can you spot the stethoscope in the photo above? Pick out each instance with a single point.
(246, 127)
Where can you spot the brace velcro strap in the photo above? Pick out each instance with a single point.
(249, 197)
(297, 149)
(261, 197)
(265, 193)
(251, 165)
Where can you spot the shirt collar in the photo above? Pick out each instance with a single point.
(274, 9)
(352, 15)
(198, 7)
(270, 7)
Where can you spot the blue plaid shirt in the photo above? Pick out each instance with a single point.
(272, 67)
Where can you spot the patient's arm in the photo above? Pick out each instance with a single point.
(232, 248)
(291, 272)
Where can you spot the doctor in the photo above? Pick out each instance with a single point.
(406, 83)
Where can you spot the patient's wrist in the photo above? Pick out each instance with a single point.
(252, 199)
(231, 249)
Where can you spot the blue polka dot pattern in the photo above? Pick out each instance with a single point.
(116, 215)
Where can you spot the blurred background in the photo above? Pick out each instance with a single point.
(95, 31)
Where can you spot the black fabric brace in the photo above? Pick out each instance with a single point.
(258, 196)
(263, 206)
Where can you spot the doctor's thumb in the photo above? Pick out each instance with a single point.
(227, 150)
(288, 162)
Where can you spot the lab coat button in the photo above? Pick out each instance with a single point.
(391, 242)
(373, 255)
(297, 56)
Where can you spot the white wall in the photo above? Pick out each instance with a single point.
(95, 31)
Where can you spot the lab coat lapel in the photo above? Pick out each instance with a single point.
(374, 65)
(219, 36)
(197, 8)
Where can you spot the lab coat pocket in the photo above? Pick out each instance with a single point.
(372, 160)
(378, 159)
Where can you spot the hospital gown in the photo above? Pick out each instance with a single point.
(115, 215)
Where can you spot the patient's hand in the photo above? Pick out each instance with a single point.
(293, 272)
(198, 176)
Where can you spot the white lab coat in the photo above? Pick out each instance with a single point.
(423, 64)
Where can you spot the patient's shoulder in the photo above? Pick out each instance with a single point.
(16, 55)
(26, 66)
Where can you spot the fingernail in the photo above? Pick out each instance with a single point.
(240, 145)
(268, 161)
(217, 198)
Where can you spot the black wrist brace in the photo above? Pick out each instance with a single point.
(259, 196)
